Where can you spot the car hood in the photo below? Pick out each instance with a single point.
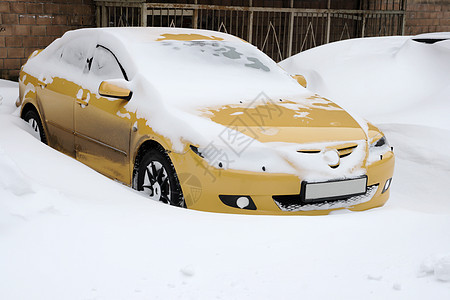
(276, 135)
(312, 120)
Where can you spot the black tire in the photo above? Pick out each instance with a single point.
(156, 177)
(33, 119)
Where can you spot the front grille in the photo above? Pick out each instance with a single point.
(346, 151)
(343, 150)
(293, 202)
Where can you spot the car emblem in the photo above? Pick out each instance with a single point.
(331, 157)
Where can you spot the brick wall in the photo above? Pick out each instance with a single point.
(424, 16)
(27, 25)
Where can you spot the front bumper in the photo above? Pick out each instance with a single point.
(202, 185)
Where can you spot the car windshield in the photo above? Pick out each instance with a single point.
(212, 69)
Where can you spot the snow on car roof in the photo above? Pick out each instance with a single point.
(197, 67)
(157, 34)
(433, 35)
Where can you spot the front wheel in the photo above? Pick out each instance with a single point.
(156, 178)
(33, 119)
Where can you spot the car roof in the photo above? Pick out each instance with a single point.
(156, 34)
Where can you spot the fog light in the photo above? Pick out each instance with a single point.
(387, 185)
(242, 202)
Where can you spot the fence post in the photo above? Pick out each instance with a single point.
(195, 18)
(250, 22)
(291, 31)
(363, 31)
(97, 16)
(404, 16)
(104, 20)
(144, 15)
(328, 21)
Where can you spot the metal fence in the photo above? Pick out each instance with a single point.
(278, 31)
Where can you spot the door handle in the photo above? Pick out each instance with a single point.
(82, 103)
(43, 83)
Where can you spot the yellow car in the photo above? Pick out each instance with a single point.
(203, 120)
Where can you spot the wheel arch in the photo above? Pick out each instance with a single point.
(30, 107)
(27, 107)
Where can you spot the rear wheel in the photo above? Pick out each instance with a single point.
(33, 119)
(156, 178)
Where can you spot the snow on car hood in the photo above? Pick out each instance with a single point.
(244, 143)
(309, 120)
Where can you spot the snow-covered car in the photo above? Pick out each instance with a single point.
(408, 64)
(203, 120)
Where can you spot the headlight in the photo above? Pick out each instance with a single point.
(214, 155)
(380, 143)
(195, 150)
(378, 148)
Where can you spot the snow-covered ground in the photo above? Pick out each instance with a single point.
(67, 232)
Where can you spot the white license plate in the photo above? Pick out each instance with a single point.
(334, 189)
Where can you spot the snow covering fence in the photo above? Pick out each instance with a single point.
(278, 31)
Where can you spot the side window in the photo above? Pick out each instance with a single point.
(104, 64)
(75, 54)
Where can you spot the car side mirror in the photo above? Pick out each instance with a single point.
(300, 79)
(115, 89)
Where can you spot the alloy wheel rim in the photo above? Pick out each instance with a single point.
(35, 126)
(156, 182)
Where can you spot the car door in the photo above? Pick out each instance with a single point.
(102, 125)
(58, 87)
